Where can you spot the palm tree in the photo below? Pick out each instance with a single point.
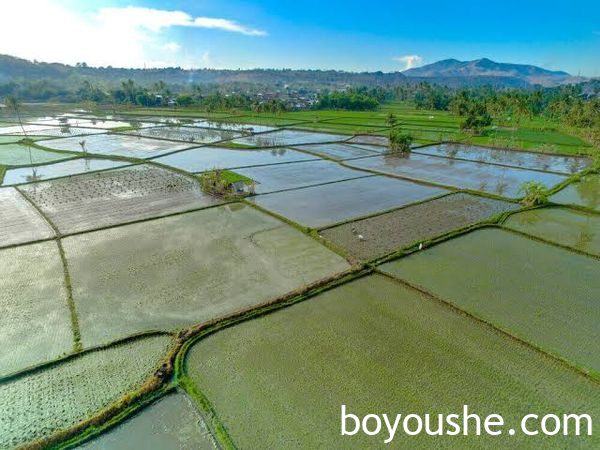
(13, 104)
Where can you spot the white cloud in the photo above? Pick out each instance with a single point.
(128, 37)
(409, 61)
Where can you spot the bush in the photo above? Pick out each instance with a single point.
(400, 142)
(535, 193)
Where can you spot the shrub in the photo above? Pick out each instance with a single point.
(535, 193)
(400, 142)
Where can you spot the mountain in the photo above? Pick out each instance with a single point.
(453, 70)
(15, 69)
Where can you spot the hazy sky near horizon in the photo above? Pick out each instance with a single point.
(349, 35)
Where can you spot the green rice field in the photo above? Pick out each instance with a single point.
(145, 305)
(531, 300)
(375, 345)
(575, 229)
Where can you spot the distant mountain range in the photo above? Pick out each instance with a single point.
(509, 74)
(449, 72)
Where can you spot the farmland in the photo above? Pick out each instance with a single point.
(378, 339)
(477, 274)
(186, 269)
(143, 309)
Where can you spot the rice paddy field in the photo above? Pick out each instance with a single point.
(411, 225)
(208, 158)
(172, 423)
(186, 269)
(102, 199)
(141, 309)
(22, 175)
(34, 323)
(478, 273)
(19, 221)
(584, 193)
(21, 155)
(384, 345)
(575, 229)
(477, 176)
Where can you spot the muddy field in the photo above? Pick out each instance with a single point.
(392, 231)
(101, 199)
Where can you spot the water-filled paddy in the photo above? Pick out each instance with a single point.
(59, 169)
(376, 346)
(185, 269)
(526, 160)
(116, 144)
(113, 197)
(208, 158)
(584, 193)
(338, 151)
(19, 221)
(189, 134)
(35, 325)
(543, 294)
(370, 140)
(171, 423)
(575, 229)
(72, 391)
(319, 206)
(288, 137)
(289, 176)
(397, 229)
(22, 155)
(504, 181)
(232, 126)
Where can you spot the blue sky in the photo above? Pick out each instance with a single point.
(349, 35)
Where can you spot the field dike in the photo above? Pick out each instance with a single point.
(171, 371)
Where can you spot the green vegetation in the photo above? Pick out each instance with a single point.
(535, 193)
(516, 284)
(73, 390)
(585, 193)
(224, 183)
(372, 344)
(352, 101)
(400, 143)
(575, 229)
